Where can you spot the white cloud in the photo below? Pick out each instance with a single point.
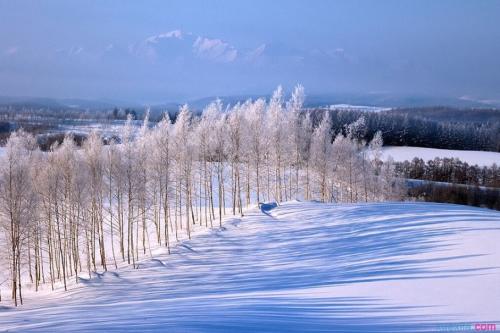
(178, 34)
(214, 49)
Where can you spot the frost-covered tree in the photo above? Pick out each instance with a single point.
(16, 204)
(131, 180)
(296, 134)
(184, 162)
(321, 153)
(277, 133)
(257, 141)
(75, 210)
(235, 154)
(162, 167)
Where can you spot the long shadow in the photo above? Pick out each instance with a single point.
(245, 279)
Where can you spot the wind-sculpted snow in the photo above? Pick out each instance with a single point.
(297, 267)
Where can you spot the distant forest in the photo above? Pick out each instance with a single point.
(450, 170)
(457, 194)
(433, 127)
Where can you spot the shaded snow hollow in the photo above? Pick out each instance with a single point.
(386, 267)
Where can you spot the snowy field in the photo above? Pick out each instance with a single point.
(481, 158)
(389, 267)
(363, 108)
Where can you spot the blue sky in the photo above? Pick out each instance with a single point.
(156, 51)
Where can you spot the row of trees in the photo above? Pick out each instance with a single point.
(450, 170)
(75, 210)
(456, 194)
(401, 127)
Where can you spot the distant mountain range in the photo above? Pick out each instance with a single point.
(58, 103)
(318, 100)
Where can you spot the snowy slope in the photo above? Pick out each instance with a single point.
(388, 267)
(364, 108)
(472, 157)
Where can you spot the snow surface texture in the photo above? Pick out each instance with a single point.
(472, 157)
(386, 267)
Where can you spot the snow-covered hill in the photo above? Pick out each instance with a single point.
(472, 157)
(388, 267)
(363, 108)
